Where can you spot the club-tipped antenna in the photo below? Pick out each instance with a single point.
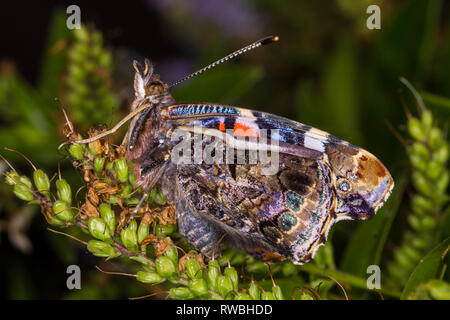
(261, 42)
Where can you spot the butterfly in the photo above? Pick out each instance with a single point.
(287, 213)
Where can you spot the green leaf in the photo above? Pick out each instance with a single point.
(428, 268)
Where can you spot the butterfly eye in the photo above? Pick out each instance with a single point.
(154, 89)
(343, 185)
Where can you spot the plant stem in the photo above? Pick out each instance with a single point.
(347, 278)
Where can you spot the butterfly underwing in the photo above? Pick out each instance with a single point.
(277, 214)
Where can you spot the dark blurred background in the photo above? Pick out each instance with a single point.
(328, 70)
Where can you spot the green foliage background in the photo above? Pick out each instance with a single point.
(328, 71)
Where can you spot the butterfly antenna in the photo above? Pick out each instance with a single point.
(261, 42)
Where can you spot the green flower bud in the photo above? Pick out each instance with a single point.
(63, 190)
(267, 296)
(435, 138)
(76, 151)
(243, 296)
(101, 249)
(224, 286)
(164, 266)
(198, 287)
(441, 154)
(62, 211)
(254, 292)
(157, 196)
(149, 277)
(213, 274)
(172, 254)
(232, 274)
(306, 295)
(402, 258)
(12, 177)
(143, 231)
(419, 243)
(23, 192)
(132, 202)
(193, 268)
(131, 177)
(412, 253)
(415, 129)
(122, 170)
(442, 183)
(99, 229)
(143, 260)
(181, 293)
(55, 221)
(418, 162)
(129, 236)
(99, 163)
(427, 120)
(434, 169)
(414, 221)
(26, 181)
(110, 166)
(422, 202)
(277, 293)
(421, 184)
(419, 149)
(108, 216)
(428, 223)
(126, 191)
(163, 230)
(81, 35)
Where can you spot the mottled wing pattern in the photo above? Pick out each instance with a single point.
(320, 179)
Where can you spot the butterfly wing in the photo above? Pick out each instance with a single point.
(319, 180)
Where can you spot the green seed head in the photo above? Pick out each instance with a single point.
(172, 254)
(224, 286)
(198, 287)
(41, 181)
(267, 296)
(213, 273)
(12, 177)
(63, 190)
(149, 277)
(427, 120)
(26, 181)
(254, 292)
(277, 293)
(122, 170)
(62, 211)
(99, 163)
(101, 249)
(108, 216)
(193, 269)
(415, 129)
(232, 274)
(181, 293)
(99, 229)
(165, 267)
(76, 151)
(23, 191)
(163, 230)
(129, 236)
(243, 296)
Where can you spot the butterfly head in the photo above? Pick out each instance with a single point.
(146, 83)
